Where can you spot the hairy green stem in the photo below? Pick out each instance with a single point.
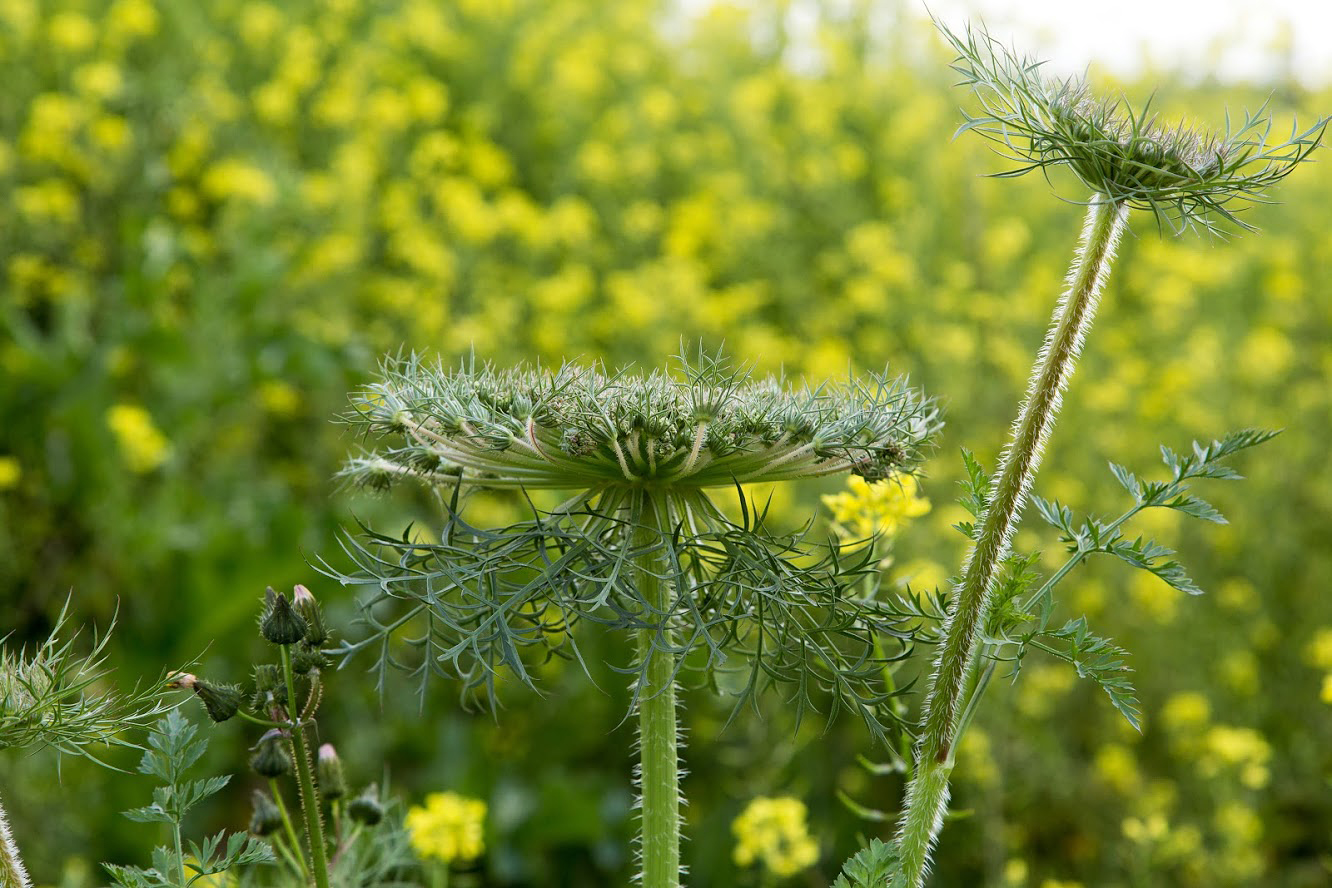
(11, 865)
(927, 794)
(658, 739)
(314, 822)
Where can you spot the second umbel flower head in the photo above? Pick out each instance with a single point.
(1127, 156)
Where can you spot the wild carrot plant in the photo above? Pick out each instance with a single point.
(54, 697)
(639, 547)
(1128, 160)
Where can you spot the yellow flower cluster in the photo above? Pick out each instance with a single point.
(1242, 750)
(867, 510)
(448, 827)
(141, 443)
(772, 833)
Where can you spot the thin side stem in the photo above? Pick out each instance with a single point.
(658, 738)
(11, 865)
(927, 795)
(299, 855)
(314, 822)
(180, 853)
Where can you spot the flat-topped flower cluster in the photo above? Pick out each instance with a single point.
(582, 427)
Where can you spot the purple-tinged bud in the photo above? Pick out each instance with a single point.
(307, 606)
(328, 768)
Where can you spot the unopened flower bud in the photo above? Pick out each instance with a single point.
(266, 817)
(306, 605)
(220, 701)
(281, 624)
(367, 808)
(270, 688)
(328, 767)
(306, 657)
(270, 758)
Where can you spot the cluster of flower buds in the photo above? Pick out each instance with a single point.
(711, 425)
(299, 623)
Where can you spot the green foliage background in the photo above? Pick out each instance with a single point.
(218, 215)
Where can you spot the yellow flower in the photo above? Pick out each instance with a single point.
(1186, 713)
(71, 31)
(880, 508)
(132, 18)
(1243, 749)
(50, 200)
(1318, 653)
(448, 827)
(101, 80)
(10, 472)
(772, 833)
(234, 178)
(142, 444)
(1326, 694)
(1116, 765)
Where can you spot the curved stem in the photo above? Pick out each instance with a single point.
(927, 795)
(314, 822)
(11, 865)
(658, 739)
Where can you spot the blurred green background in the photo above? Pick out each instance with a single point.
(217, 215)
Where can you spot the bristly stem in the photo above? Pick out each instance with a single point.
(658, 739)
(11, 865)
(927, 795)
(314, 823)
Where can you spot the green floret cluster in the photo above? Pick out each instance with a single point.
(578, 427)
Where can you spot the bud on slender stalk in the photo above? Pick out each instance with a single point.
(316, 633)
(367, 808)
(328, 768)
(266, 817)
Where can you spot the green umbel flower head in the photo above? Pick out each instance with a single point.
(640, 545)
(578, 427)
(1124, 155)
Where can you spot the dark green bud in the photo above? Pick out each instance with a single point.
(221, 701)
(281, 624)
(328, 768)
(266, 817)
(305, 658)
(270, 758)
(367, 808)
(308, 608)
